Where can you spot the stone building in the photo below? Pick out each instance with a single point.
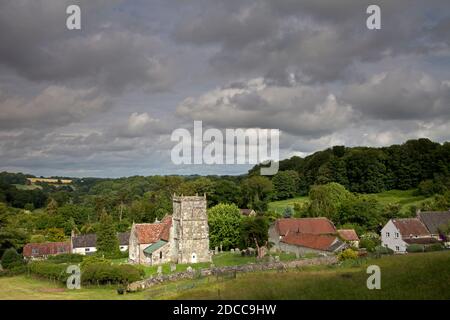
(182, 237)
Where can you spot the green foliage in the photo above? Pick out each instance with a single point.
(348, 254)
(256, 192)
(434, 247)
(368, 244)
(11, 259)
(66, 258)
(105, 273)
(55, 235)
(287, 212)
(48, 270)
(253, 228)
(285, 184)
(383, 250)
(326, 200)
(107, 242)
(224, 226)
(37, 238)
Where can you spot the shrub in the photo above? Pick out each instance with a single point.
(104, 273)
(383, 250)
(434, 247)
(11, 259)
(415, 248)
(369, 244)
(49, 270)
(66, 258)
(348, 254)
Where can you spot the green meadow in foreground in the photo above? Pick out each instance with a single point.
(412, 276)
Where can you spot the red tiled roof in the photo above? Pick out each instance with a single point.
(45, 249)
(305, 225)
(348, 234)
(314, 241)
(152, 232)
(410, 226)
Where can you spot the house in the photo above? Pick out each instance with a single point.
(305, 235)
(86, 244)
(43, 250)
(398, 234)
(349, 236)
(248, 212)
(434, 221)
(182, 237)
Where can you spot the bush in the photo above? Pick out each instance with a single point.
(11, 259)
(383, 250)
(104, 273)
(48, 270)
(368, 244)
(66, 258)
(415, 248)
(348, 254)
(434, 247)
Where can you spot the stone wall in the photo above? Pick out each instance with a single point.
(252, 267)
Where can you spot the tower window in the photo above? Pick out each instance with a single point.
(160, 254)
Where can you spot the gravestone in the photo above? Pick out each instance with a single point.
(220, 247)
(237, 250)
(189, 269)
(271, 259)
(173, 267)
(159, 270)
(216, 250)
(277, 258)
(212, 266)
(232, 250)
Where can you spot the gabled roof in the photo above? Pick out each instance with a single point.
(154, 246)
(348, 234)
(124, 238)
(84, 240)
(322, 242)
(305, 225)
(45, 249)
(411, 227)
(152, 232)
(433, 219)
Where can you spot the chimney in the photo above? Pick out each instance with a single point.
(418, 211)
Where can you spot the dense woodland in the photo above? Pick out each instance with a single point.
(338, 181)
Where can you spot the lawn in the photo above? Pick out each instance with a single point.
(279, 206)
(411, 276)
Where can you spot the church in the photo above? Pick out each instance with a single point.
(182, 237)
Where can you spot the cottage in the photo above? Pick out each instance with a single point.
(435, 221)
(349, 236)
(398, 234)
(43, 250)
(304, 235)
(182, 237)
(86, 244)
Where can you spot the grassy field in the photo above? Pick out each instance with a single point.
(27, 187)
(405, 198)
(412, 276)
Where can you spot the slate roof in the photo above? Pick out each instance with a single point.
(411, 227)
(152, 232)
(348, 234)
(90, 240)
(84, 240)
(433, 219)
(305, 225)
(45, 249)
(324, 242)
(421, 240)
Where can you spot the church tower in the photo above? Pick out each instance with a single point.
(190, 231)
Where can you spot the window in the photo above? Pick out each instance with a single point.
(387, 234)
(397, 248)
(397, 234)
(34, 251)
(160, 254)
(87, 249)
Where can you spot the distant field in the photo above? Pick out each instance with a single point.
(27, 187)
(405, 198)
(412, 276)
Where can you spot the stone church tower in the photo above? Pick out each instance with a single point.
(189, 235)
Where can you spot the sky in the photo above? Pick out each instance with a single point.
(103, 101)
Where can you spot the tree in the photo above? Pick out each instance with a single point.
(55, 235)
(224, 223)
(11, 259)
(256, 191)
(253, 228)
(325, 200)
(285, 184)
(287, 212)
(52, 207)
(107, 242)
